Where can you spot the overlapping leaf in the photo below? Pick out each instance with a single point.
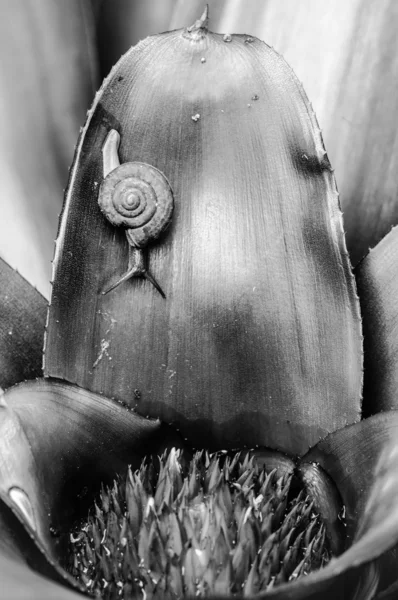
(47, 79)
(22, 320)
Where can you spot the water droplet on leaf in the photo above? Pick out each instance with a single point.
(54, 531)
(22, 502)
(227, 37)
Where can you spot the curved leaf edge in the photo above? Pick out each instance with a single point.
(23, 319)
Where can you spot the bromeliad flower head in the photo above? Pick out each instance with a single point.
(201, 277)
(223, 525)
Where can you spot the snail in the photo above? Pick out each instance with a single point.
(138, 197)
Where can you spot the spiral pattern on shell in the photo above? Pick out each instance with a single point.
(138, 197)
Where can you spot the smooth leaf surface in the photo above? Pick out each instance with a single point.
(57, 444)
(259, 291)
(346, 55)
(20, 552)
(123, 23)
(23, 313)
(19, 582)
(377, 280)
(48, 77)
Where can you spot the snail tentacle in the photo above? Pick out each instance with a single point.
(137, 197)
(130, 273)
(136, 268)
(110, 156)
(152, 280)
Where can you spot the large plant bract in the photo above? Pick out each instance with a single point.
(59, 440)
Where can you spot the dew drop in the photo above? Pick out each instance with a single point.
(54, 531)
(203, 60)
(22, 502)
(195, 117)
(255, 97)
(249, 105)
(249, 40)
(227, 37)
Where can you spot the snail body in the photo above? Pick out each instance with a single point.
(138, 197)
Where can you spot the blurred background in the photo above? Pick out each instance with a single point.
(55, 53)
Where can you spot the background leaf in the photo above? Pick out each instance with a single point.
(47, 80)
(23, 312)
(377, 280)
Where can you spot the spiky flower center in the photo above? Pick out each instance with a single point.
(219, 524)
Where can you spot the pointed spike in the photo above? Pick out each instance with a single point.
(200, 24)
(105, 499)
(234, 462)
(190, 572)
(98, 513)
(174, 581)
(252, 584)
(223, 582)
(309, 534)
(286, 542)
(265, 574)
(297, 544)
(105, 572)
(96, 536)
(228, 524)
(288, 564)
(215, 476)
(116, 505)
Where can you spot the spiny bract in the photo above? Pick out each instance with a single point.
(218, 524)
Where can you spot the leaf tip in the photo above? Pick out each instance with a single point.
(200, 27)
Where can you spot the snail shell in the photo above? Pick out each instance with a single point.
(138, 197)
